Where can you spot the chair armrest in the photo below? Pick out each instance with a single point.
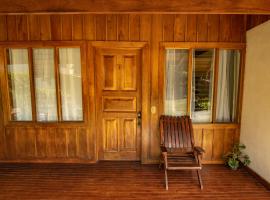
(199, 150)
(163, 149)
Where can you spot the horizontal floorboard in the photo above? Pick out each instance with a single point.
(123, 180)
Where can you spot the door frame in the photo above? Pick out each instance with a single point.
(145, 91)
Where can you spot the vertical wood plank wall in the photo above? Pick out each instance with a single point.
(77, 143)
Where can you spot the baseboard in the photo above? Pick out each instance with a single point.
(258, 177)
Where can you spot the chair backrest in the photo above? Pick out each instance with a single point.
(176, 132)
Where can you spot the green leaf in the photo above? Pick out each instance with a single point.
(234, 164)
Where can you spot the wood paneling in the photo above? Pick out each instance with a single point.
(66, 143)
(217, 140)
(137, 6)
(21, 23)
(3, 28)
(128, 27)
(67, 27)
(56, 27)
(34, 27)
(123, 27)
(255, 20)
(45, 29)
(47, 143)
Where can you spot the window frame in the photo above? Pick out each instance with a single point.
(191, 46)
(39, 45)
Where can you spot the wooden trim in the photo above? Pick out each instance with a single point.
(57, 83)
(118, 44)
(161, 78)
(40, 44)
(136, 6)
(205, 45)
(216, 68)
(83, 53)
(216, 126)
(189, 83)
(258, 177)
(241, 85)
(5, 88)
(146, 103)
(90, 70)
(32, 84)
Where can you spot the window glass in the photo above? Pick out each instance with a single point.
(71, 84)
(227, 88)
(176, 82)
(202, 85)
(19, 84)
(44, 74)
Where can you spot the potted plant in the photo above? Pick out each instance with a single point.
(236, 156)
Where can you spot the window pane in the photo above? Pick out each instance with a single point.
(71, 84)
(228, 79)
(176, 82)
(202, 85)
(19, 84)
(43, 61)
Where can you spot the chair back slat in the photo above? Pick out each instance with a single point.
(177, 144)
(176, 132)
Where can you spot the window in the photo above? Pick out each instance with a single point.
(57, 87)
(227, 88)
(45, 90)
(202, 85)
(19, 84)
(197, 73)
(176, 82)
(71, 84)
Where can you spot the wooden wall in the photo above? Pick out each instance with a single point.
(77, 143)
(255, 20)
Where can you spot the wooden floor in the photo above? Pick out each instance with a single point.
(123, 180)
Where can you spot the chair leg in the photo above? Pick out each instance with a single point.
(160, 163)
(200, 179)
(166, 178)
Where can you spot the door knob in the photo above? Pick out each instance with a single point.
(139, 118)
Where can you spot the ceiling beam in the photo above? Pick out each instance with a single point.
(135, 6)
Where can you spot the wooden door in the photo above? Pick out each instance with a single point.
(118, 86)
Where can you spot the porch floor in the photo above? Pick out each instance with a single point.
(124, 180)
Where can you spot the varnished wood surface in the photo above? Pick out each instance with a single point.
(124, 6)
(66, 142)
(123, 27)
(255, 20)
(118, 91)
(124, 180)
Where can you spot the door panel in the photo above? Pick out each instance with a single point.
(109, 72)
(128, 78)
(110, 134)
(119, 104)
(118, 86)
(128, 137)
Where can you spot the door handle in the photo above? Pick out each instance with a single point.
(139, 118)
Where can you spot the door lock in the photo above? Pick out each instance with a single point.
(139, 118)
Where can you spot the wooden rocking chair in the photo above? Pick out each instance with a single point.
(177, 146)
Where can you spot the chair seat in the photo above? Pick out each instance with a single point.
(182, 161)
